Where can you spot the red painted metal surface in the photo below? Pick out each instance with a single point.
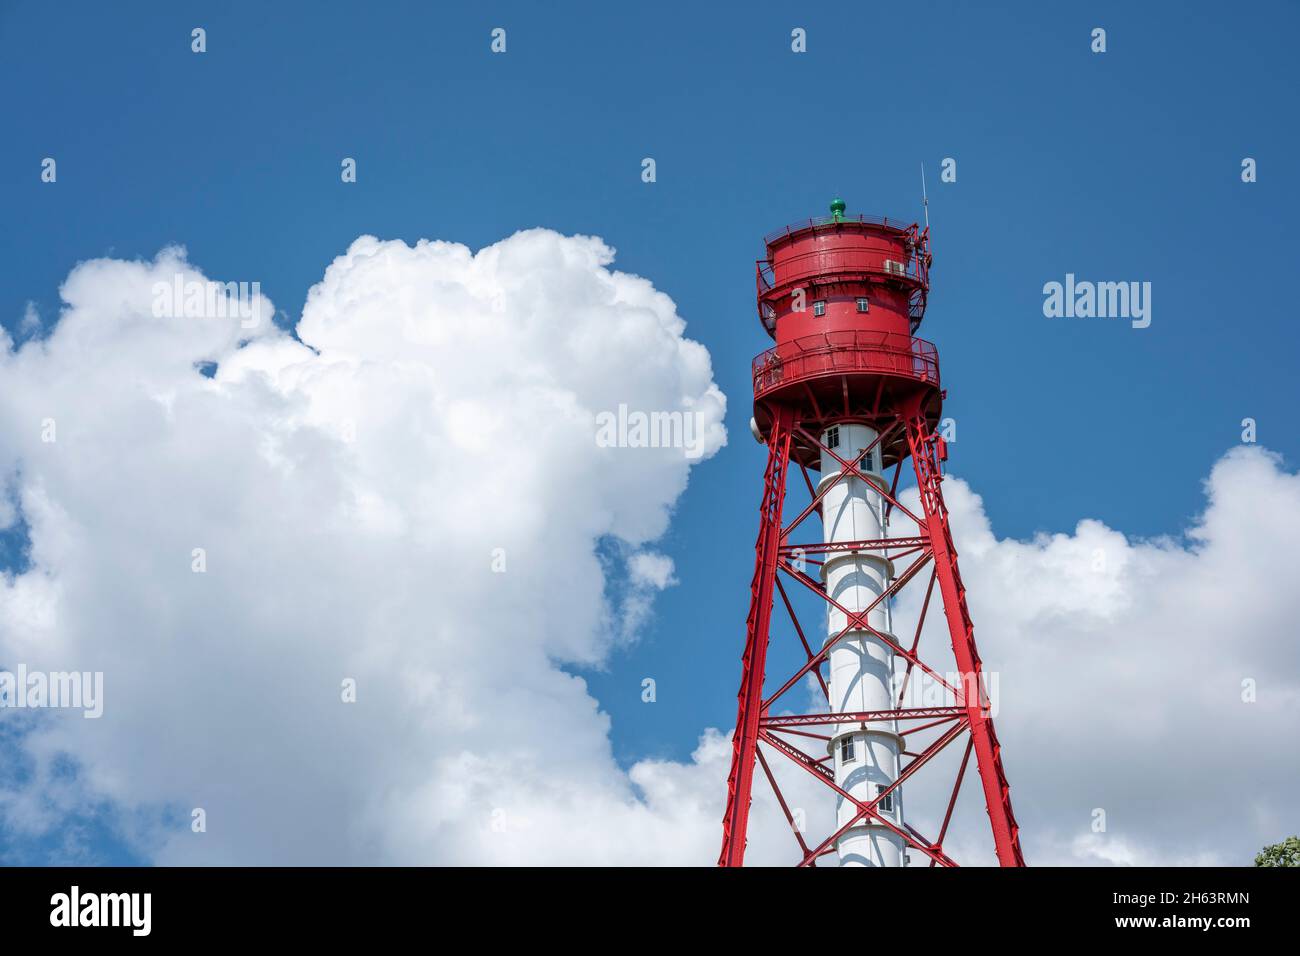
(849, 350)
(861, 366)
(754, 662)
(835, 262)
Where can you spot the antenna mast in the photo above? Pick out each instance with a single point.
(925, 201)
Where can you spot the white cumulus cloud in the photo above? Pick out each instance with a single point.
(410, 495)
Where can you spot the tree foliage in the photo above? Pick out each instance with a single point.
(1286, 853)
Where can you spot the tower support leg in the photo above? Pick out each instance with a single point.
(754, 662)
(925, 452)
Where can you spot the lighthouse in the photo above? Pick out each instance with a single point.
(845, 399)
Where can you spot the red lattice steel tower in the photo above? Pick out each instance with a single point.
(851, 394)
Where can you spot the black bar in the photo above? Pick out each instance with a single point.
(601, 908)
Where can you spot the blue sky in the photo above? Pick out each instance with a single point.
(1121, 166)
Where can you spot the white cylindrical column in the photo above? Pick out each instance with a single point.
(866, 756)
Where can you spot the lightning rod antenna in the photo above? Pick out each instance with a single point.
(925, 201)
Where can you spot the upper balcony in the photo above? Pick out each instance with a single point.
(884, 222)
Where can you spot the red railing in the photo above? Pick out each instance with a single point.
(889, 222)
(829, 353)
(914, 268)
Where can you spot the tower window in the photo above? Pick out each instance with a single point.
(819, 307)
(846, 750)
(865, 463)
(833, 437)
(886, 804)
(863, 304)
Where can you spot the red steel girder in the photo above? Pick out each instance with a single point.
(869, 808)
(859, 620)
(815, 767)
(754, 662)
(868, 544)
(988, 752)
(861, 717)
